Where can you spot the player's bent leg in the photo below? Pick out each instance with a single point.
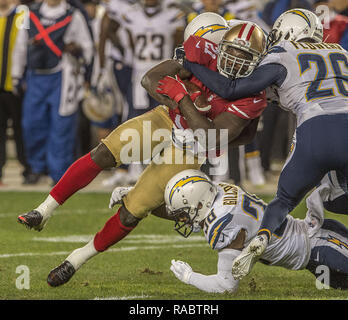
(333, 192)
(79, 175)
(339, 205)
(133, 140)
(299, 175)
(146, 196)
(329, 254)
(105, 155)
(114, 230)
(243, 264)
(148, 193)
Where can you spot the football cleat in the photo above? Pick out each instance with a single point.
(119, 178)
(61, 274)
(255, 171)
(243, 264)
(32, 219)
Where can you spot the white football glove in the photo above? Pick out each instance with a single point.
(117, 195)
(181, 270)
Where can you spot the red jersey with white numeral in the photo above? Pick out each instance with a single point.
(204, 52)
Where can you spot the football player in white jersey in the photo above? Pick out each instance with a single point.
(231, 217)
(148, 30)
(310, 77)
(153, 29)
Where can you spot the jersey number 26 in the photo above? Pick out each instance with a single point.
(314, 91)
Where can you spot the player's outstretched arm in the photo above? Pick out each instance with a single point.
(262, 77)
(221, 282)
(165, 68)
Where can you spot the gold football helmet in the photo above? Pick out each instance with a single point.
(241, 49)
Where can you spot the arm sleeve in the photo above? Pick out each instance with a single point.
(260, 79)
(222, 281)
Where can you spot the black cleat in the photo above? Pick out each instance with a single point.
(61, 274)
(32, 219)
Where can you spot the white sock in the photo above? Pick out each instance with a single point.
(47, 207)
(79, 256)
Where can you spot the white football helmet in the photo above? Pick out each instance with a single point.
(189, 196)
(296, 25)
(98, 106)
(208, 25)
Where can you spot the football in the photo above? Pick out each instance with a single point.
(200, 102)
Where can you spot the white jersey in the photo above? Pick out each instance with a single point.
(116, 10)
(95, 25)
(234, 209)
(316, 80)
(152, 34)
(153, 42)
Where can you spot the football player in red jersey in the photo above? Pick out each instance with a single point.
(147, 196)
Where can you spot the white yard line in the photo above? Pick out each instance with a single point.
(141, 238)
(58, 253)
(123, 298)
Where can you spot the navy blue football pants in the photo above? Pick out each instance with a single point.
(321, 145)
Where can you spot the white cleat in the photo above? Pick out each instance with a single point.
(118, 178)
(255, 171)
(243, 264)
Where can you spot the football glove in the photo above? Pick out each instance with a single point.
(172, 87)
(181, 270)
(117, 195)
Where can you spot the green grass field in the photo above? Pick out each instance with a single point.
(136, 268)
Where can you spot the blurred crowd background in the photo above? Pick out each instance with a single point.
(70, 72)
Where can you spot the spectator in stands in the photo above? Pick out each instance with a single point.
(53, 50)
(10, 101)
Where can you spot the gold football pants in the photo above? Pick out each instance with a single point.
(165, 160)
